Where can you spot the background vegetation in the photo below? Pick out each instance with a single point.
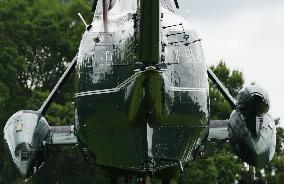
(37, 40)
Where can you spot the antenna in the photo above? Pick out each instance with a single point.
(88, 27)
(83, 20)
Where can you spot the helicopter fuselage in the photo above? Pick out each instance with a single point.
(134, 112)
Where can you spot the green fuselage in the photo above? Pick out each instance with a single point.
(130, 113)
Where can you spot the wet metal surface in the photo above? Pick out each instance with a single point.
(146, 119)
(23, 134)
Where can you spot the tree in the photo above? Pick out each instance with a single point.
(37, 40)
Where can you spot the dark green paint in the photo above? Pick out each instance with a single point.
(150, 30)
(148, 124)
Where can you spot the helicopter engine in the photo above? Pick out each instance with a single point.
(252, 129)
(253, 100)
(24, 134)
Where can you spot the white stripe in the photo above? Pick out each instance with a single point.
(182, 89)
(112, 90)
(131, 79)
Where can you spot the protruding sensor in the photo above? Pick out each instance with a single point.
(88, 27)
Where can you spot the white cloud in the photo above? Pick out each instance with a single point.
(252, 40)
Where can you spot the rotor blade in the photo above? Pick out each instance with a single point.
(105, 12)
(223, 90)
(94, 7)
(58, 86)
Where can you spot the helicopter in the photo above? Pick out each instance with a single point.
(142, 103)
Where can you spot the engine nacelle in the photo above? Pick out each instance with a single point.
(253, 100)
(252, 129)
(24, 134)
(258, 148)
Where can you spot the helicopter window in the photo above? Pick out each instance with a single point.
(183, 47)
(184, 54)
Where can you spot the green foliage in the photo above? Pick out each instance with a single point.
(4, 95)
(228, 167)
(200, 172)
(44, 35)
(37, 40)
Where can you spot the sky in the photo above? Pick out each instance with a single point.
(248, 35)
